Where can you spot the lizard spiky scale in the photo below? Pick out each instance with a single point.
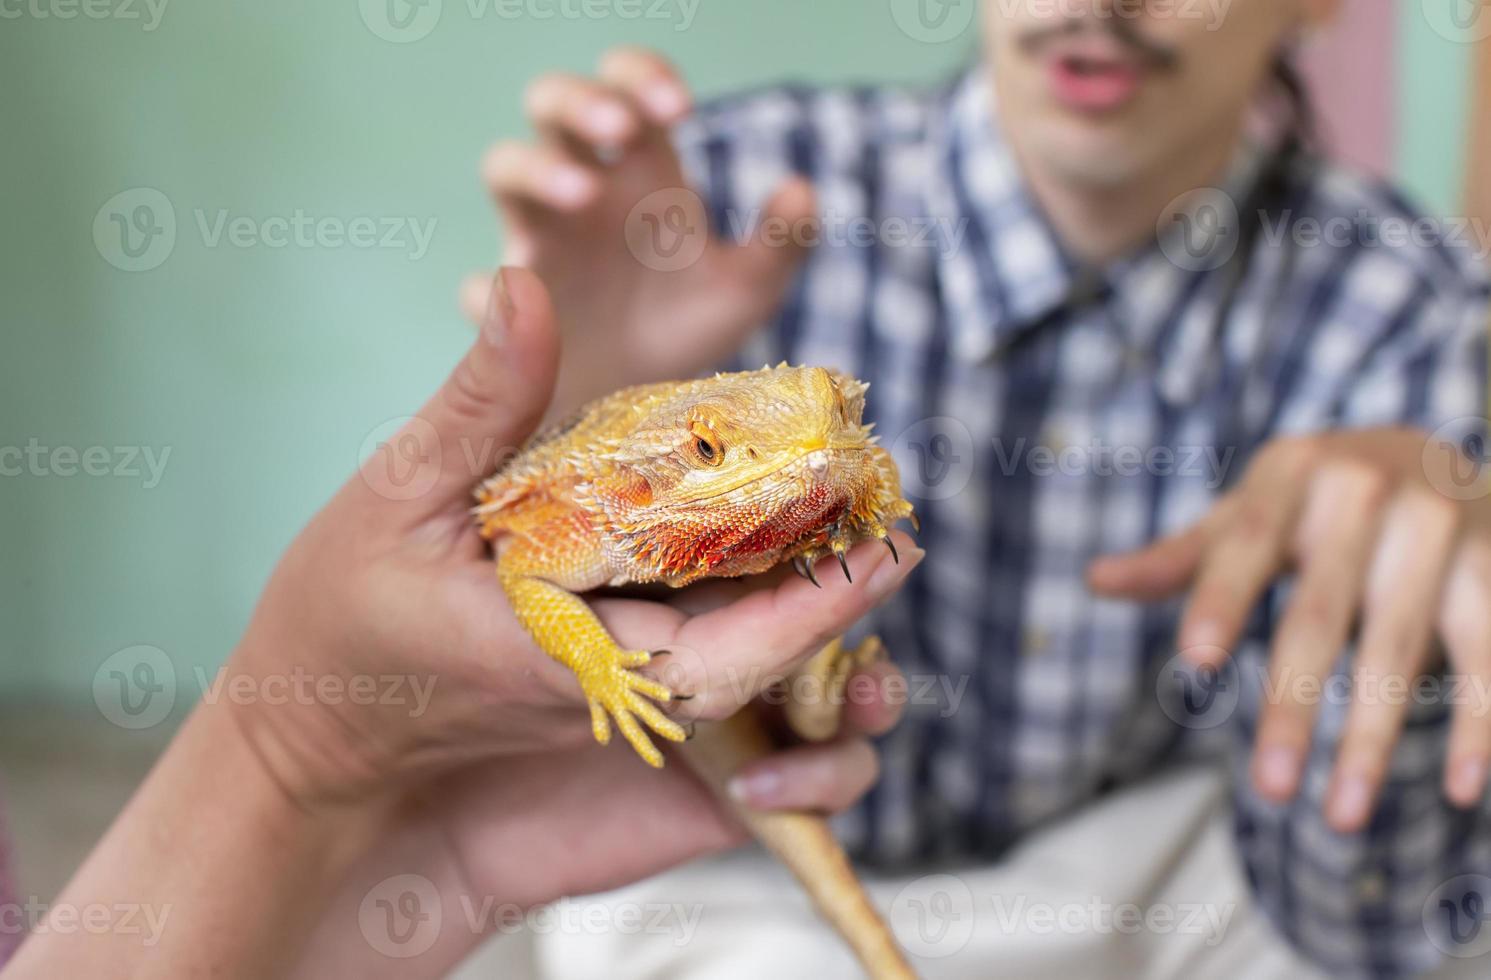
(673, 482)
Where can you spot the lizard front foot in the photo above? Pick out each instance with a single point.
(567, 630)
(614, 689)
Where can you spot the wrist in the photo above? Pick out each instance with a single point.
(291, 799)
(324, 751)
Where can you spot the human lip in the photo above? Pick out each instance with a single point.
(1093, 74)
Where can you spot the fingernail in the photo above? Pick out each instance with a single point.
(499, 311)
(1204, 654)
(889, 574)
(607, 121)
(569, 185)
(757, 788)
(1277, 770)
(1349, 800)
(1202, 633)
(1467, 781)
(665, 99)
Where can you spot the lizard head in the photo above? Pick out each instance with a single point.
(733, 474)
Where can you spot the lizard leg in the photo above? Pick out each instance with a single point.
(567, 630)
(817, 686)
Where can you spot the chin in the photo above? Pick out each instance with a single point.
(1091, 152)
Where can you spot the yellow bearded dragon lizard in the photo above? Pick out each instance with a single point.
(678, 481)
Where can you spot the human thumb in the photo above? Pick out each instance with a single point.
(485, 409)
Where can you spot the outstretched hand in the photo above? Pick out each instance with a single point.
(1379, 530)
(598, 205)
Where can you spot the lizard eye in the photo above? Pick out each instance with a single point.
(707, 446)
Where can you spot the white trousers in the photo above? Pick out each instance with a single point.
(1145, 883)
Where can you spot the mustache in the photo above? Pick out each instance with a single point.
(1149, 52)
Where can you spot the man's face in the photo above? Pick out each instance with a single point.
(1104, 92)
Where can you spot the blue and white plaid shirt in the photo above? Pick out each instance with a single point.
(1043, 416)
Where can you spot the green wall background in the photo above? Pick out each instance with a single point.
(264, 369)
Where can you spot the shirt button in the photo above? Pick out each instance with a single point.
(1054, 438)
(1036, 641)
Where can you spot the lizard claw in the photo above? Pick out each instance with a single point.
(844, 564)
(804, 568)
(895, 556)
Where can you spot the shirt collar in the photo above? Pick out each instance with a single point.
(1003, 271)
(1000, 266)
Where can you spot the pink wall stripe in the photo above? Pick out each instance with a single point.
(1352, 70)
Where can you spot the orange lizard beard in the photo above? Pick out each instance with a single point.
(794, 513)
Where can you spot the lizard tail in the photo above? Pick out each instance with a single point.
(802, 842)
